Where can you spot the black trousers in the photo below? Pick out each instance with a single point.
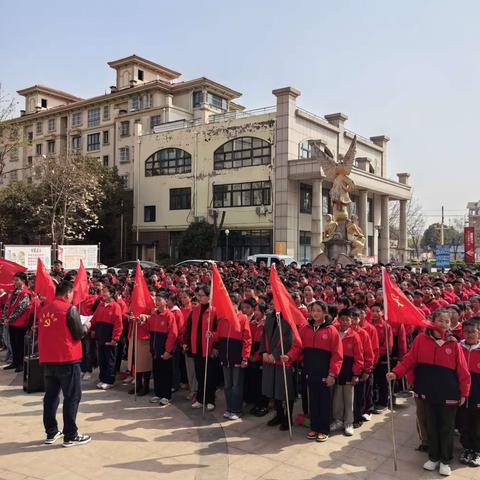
(280, 407)
(67, 379)
(380, 382)
(359, 401)
(88, 354)
(468, 420)
(162, 377)
(253, 386)
(120, 351)
(212, 375)
(369, 394)
(440, 428)
(17, 336)
(320, 405)
(106, 363)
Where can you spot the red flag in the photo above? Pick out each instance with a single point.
(7, 271)
(44, 285)
(398, 308)
(80, 286)
(141, 300)
(221, 300)
(284, 303)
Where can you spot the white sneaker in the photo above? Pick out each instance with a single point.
(348, 429)
(100, 385)
(234, 416)
(444, 470)
(227, 414)
(430, 466)
(367, 417)
(210, 407)
(86, 376)
(106, 386)
(336, 425)
(197, 405)
(164, 401)
(155, 400)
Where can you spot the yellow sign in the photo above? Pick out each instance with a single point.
(281, 248)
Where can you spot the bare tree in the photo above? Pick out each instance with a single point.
(10, 136)
(415, 223)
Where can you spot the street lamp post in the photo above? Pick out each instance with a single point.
(227, 233)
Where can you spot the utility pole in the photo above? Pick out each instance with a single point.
(442, 238)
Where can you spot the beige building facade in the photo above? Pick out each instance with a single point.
(189, 153)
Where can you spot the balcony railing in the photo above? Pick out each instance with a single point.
(224, 117)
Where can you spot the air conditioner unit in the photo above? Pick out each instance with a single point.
(261, 210)
(212, 212)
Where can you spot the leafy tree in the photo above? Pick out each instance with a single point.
(197, 240)
(452, 234)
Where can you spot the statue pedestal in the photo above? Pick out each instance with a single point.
(337, 249)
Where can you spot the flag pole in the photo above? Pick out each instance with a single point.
(135, 352)
(279, 321)
(207, 345)
(390, 393)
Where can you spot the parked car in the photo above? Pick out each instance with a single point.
(130, 265)
(188, 263)
(271, 258)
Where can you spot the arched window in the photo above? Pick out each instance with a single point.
(168, 161)
(242, 152)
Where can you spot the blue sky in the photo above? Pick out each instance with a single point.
(407, 69)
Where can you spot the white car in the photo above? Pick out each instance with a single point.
(271, 258)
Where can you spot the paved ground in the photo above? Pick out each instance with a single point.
(136, 438)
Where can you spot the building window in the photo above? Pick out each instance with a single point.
(125, 129)
(140, 102)
(76, 119)
(124, 154)
(106, 113)
(242, 152)
(197, 98)
(76, 143)
(370, 245)
(29, 160)
(241, 194)
(168, 161)
(39, 128)
(94, 117)
(29, 138)
(38, 148)
(326, 204)
(217, 101)
(44, 103)
(305, 198)
(305, 149)
(52, 124)
(124, 179)
(14, 175)
(155, 120)
(14, 154)
(149, 213)
(180, 198)
(93, 142)
(370, 209)
(140, 75)
(305, 246)
(105, 160)
(106, 139)
(51, 146)
(242, 243)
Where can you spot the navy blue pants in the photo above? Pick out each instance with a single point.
(67, 379)
(320, 405)
(106, 363)
(359, 401)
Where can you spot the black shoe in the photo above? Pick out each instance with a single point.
(284, 427)
(9, 367)
(78, 440)
(19, 369)
(274, 421)
(53, 438)
(254, 410)
(261, 412)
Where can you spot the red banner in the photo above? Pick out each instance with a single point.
(469, 242)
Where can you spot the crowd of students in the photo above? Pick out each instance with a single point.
(335, 360)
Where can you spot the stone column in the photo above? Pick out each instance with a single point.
(363, 215)
(317, 219)
(403, 237)
(384, 250)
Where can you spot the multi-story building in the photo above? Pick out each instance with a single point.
(474, 221)
(189, 152)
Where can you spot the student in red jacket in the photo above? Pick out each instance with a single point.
(352, 368)
(234, 348)
(322, 353)
(186, 307)
(442, 378)
(107, 327)
(468, 415)
(163, 338)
